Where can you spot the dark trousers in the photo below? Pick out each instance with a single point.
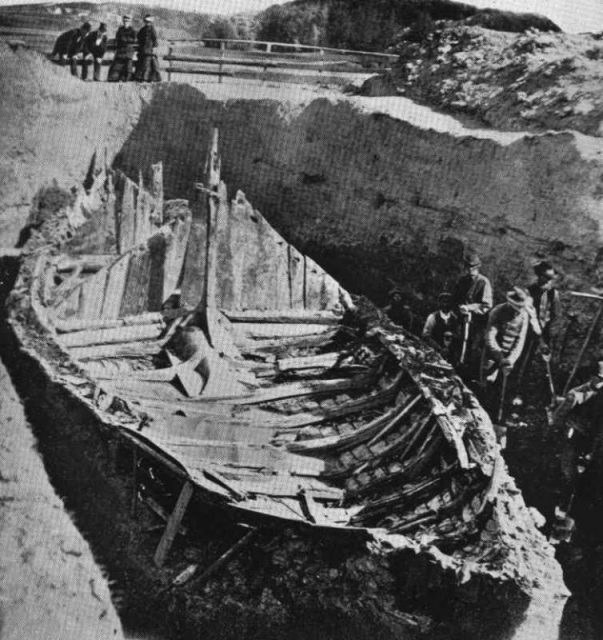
(147, 69)
(120, 70)
(97, 68)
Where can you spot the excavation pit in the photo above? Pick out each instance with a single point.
(317, 169)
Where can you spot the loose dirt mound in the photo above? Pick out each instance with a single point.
(530, 81)
(51, 125)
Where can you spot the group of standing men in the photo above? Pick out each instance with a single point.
(90, 45)
(484, 340)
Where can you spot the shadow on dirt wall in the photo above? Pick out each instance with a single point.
(375, 200)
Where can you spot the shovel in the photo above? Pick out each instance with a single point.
(466, 325)
(500, 427)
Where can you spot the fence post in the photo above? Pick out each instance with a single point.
(220, 68)
(169, 70)
(322, 61)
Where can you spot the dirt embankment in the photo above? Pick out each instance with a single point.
(50, 586)
(523, 82)
(51, 126)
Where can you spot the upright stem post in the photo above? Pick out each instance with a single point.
(169, 70)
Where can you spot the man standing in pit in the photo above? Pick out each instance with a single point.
(147, 67)
(472, 297)
(399, 311)
(69, 45)
(125, 45)
(95, 46)
(506, 332)
(581, 414)
(545, 296)
(441, 329)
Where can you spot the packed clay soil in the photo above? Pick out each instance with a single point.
(50, 586)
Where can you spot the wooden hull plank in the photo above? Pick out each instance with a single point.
(116, 285)
(136, 294)
(176, 251)
(111, 336)
(126, 212)
(193, 282)
(157, 253)
(297, 276)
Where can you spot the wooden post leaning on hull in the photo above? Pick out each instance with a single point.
(173, 524)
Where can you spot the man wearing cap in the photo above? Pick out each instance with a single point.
(95, 45)
(147, 67)
(545, 297)
(69, 46)
(506, 332)
(441, 328)
(125, 45)
(472, 297)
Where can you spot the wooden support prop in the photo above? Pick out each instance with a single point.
(586, 342)
(224, 558)
(173, 524)
(134, 500)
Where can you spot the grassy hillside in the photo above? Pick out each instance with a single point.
(377, 24)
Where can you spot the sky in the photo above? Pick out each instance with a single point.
(571, 15)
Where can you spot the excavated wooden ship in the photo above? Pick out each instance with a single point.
(236, 366)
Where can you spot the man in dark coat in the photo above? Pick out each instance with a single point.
(125, 45)
(69, 45)
(545, 296)
(95, 46)
(472, 299)
(399, 311)
(442, 328)
(147, 67)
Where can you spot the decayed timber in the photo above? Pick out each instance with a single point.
(236, 363)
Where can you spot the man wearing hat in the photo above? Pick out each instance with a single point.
(399, 311)
(125, 45)
(69, 46)
(545, 297)
(442, 327)
(472, 298)
(95, 45)
(506, 332)
(147, 67)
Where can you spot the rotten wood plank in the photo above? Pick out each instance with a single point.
(297, 288)
(93, 295)
(284, 316)
(116, 285)
(194, 278)
(175, 254)
(111, 336)
(126, 213)
(157, 247)
(173, 524)
(150, 317)
(124, 350)
(225, 558)
(322, 361)
(135, 298)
